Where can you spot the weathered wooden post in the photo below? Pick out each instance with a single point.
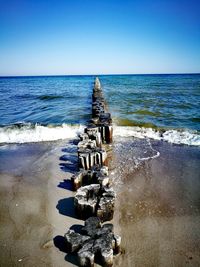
(94, 200)
(94, 241)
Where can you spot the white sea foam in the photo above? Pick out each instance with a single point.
(37, 133)
(156, 155)
(26, 133)
(172, 136)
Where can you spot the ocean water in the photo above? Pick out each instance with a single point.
(162, 107)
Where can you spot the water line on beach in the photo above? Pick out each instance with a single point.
(151, 157)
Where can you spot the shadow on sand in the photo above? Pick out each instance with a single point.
(60, 243)
(69, 160)
(66, 184)
(68, 167)
(68, 163)
(65, 207)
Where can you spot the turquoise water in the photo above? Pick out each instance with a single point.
(167, 102)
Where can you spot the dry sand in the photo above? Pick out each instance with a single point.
(157, 209)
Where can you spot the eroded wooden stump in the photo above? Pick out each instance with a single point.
(94, 243)
(96, 175)
(95, 200)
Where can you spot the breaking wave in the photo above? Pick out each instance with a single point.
(27, 132)
(185, 137)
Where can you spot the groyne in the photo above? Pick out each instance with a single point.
(94, 199)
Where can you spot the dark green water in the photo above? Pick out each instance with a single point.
(154, 100)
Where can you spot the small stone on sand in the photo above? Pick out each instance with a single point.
(48, 244)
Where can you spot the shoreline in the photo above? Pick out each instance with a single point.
(40, 182)
(49, 133)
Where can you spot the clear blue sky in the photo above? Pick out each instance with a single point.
(39, 37)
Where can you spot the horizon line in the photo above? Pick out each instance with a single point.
(111, 74)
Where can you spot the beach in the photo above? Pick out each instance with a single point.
(153, 165)
(157, 211)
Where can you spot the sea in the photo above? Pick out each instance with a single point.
(48, 108)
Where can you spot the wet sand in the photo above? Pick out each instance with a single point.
(157, 210)
(159, 206)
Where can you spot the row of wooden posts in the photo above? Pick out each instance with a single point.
(95, 198)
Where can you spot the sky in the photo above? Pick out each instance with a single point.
(70, 37)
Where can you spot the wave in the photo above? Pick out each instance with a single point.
(195, 119)
(40, 97)
(27, 132)
(49, 97)
(185, 137)
(145, 112)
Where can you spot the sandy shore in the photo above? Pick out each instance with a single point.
(157, 209)
(159, 205)
(35, 206)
